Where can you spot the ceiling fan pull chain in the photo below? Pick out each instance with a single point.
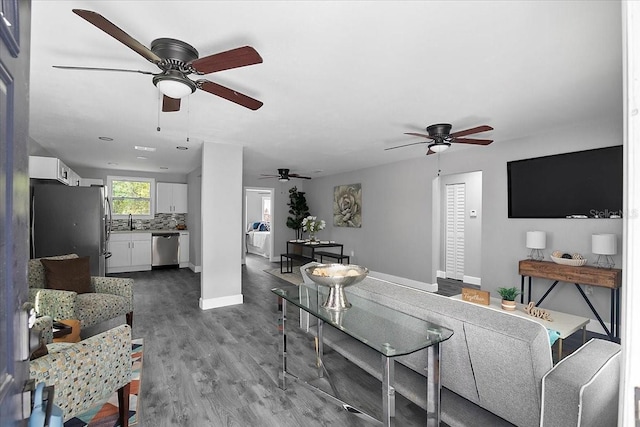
(159, 108)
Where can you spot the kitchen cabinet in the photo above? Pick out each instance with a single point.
(184, 249)
(171, 197)
(129, 252)
(52, 168)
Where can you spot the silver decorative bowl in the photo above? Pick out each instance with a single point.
(336, 277)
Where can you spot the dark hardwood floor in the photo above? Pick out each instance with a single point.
(220, 367)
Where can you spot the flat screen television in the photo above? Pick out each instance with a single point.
(579, 184)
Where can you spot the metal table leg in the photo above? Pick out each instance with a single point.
(433, 385)
(388, 392)
(283, 355)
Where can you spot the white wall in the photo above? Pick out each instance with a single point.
(396, 234)
(194, 219)
(222, 229)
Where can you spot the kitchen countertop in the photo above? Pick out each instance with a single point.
(163, 230)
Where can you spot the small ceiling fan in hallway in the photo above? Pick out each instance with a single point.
(284, 175)
(439, 137)
(177, 60)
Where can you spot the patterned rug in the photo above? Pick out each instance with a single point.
(105, 414)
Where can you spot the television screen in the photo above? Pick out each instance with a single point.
(580, 184)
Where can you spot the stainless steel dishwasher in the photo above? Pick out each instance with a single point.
(165, 249)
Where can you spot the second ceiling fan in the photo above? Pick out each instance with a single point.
(284, 175)
(177, 60)
(439, 137)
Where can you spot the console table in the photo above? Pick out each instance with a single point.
(610, 278)
(390, 332)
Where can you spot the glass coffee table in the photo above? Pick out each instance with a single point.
(389, 332)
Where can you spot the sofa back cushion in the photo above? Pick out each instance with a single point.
(35, 271)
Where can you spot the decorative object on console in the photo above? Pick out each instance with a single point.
(476, 296)
(347, 205)
(336, 277)
(536, 241)
(534, 311)
(604, 245)
(312, 225)
(575, 260)
(509, 297)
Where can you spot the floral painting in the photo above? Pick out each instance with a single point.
(347, 205)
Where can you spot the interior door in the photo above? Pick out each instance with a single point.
(14, 207)
(454, 231)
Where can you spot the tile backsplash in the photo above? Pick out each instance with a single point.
(161, 221)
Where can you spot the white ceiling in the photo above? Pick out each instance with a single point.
(341, 81)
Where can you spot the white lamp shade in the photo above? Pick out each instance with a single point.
(438, 148)
(536, 239)
(174, 89)
(603, 244)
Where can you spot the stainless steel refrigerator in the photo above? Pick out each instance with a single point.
(71, 220)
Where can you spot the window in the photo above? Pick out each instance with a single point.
(133, 196)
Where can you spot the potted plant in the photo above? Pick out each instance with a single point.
(509, 298)
(298, 209)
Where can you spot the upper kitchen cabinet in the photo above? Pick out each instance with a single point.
(171, 197)
(52, 168)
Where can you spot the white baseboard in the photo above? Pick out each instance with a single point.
(472, 280)
(221, 302)
(441, 274)
(195, 268)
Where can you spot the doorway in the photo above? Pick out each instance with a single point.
(258, 221)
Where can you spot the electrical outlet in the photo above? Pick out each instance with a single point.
(352, 253)
(589, 290)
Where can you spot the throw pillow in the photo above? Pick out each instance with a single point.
(72, 274)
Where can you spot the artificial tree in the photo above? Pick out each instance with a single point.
(298, 209)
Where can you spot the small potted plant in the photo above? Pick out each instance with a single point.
(509, 298)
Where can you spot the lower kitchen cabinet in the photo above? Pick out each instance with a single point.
(129, 252)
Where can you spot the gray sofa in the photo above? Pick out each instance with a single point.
(497, 369)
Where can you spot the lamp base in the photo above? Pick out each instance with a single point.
(536, 255)
(604, 261)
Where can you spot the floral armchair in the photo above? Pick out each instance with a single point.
(88, 372)
(110, 297)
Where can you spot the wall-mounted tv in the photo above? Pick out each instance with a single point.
(579, 184)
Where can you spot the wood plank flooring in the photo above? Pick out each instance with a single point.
(220, 367)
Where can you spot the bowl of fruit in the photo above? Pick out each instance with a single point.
(565, 258)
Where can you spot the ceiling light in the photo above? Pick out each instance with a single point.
(439, 147)
(142, 157)
(105, 138)
(180, 147)
(283, 179)
(174, 85)
(143, 148)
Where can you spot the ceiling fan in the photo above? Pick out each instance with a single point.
(440, 138)
(177, 60)
(284, 175)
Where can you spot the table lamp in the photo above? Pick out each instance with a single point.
(604, 245)
(536, 241)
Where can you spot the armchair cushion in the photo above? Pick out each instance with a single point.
(72, 274)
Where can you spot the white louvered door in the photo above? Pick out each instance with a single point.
(454, 231)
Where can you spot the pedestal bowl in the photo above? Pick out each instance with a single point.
(336, 277)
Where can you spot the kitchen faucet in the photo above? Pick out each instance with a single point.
(130, 222)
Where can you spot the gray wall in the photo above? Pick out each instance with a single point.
(194, 218)
(254, 205)
(396, 234)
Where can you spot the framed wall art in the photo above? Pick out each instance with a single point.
(347, 205)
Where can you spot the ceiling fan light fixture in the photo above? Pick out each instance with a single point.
(174, 85)
(283, 179)
(439, 147)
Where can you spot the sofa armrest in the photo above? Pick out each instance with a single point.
(87, 372)
(54, 303)
(582, 389)
(120, 286)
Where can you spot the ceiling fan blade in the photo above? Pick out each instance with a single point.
(418, 134)
(64, 67)
(229, 94)
(170, 104)
(233, 58)
(473, 141)
(114, 31)
(295, 175)
(430, 152)
(477, 129)
(405, 145)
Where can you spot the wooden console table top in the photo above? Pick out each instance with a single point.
(585, 275)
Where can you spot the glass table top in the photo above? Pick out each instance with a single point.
(388, 331)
